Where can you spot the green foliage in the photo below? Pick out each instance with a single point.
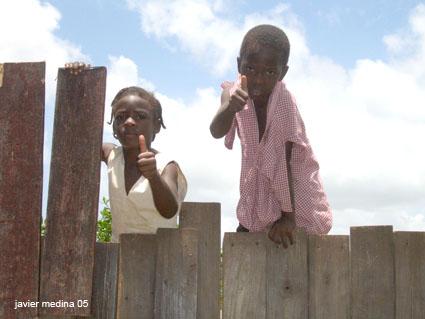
(104, 225)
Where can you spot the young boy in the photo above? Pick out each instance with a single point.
(280, 186)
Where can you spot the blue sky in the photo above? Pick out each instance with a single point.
(357, 70)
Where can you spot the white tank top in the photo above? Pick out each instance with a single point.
(136, 212)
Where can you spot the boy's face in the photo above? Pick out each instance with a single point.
(263, 69)
(134, 116)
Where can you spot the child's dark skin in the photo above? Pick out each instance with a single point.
(260, 70)
(135, 126)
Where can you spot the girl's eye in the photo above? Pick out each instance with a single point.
(119, 118)
(141, 116)
(271, 72)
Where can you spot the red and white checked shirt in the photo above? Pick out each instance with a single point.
(264, 188)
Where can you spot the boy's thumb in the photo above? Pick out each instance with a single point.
(142, 144)
(244, 83)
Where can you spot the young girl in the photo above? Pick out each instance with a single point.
(280, 186)
(146, 188)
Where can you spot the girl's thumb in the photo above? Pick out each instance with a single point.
(142, 144)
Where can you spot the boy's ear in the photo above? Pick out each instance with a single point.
(238, 59)
(284, 71)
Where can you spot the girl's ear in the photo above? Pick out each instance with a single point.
(157, 126)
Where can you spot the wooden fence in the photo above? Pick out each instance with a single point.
(372, 273)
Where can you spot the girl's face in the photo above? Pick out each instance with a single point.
(263, 68)
(134, 116)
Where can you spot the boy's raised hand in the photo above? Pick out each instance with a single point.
(240, 96)
(146, 161)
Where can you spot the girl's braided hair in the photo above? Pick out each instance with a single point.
(149, 96)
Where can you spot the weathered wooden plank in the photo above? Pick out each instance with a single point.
(67, 262)
(21, 178)
(372, 272)
(244, 268)
(176, 292)
(287, 279)
(105, 281)
(410, 274)
(329, 277)
(205, 217)
(136, 280)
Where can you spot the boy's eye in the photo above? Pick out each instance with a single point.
(250, 69)
(271, 72)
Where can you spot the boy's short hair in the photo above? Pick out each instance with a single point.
(269, 36)
(142, 93)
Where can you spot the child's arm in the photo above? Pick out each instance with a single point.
(285, 226)
(230, 105)
(164, 186)
(106, 150)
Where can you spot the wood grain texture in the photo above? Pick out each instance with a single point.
(136, 283)
(244, 263)
(287, 279)
(177, 269)
(329, 277)
(21, 178)
(105, 280)
(372, 272)
(410, 274)
(205, 217)
(68, 260)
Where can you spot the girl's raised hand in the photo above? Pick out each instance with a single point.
(146, 160)
(76, 67)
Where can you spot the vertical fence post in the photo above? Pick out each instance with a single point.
(67, 261)
(136, 280)
(329, 277)
(410, 276)
(21, 178)
(372, 272)
(205, 217)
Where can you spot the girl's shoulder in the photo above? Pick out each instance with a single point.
(107, 150)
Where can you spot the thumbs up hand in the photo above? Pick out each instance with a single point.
(146, 161)
(238, 99)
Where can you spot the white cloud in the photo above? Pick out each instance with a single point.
(27, 30)
(366, 123)
(199, 29)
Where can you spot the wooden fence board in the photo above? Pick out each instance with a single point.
(410, 274)
(176, 274)
(136, 283)
(372, 272)
(21, 179)
(244, 267)
(105, 280)
(73, 191)
(329, 277)
(287, 279)
(205, 217)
